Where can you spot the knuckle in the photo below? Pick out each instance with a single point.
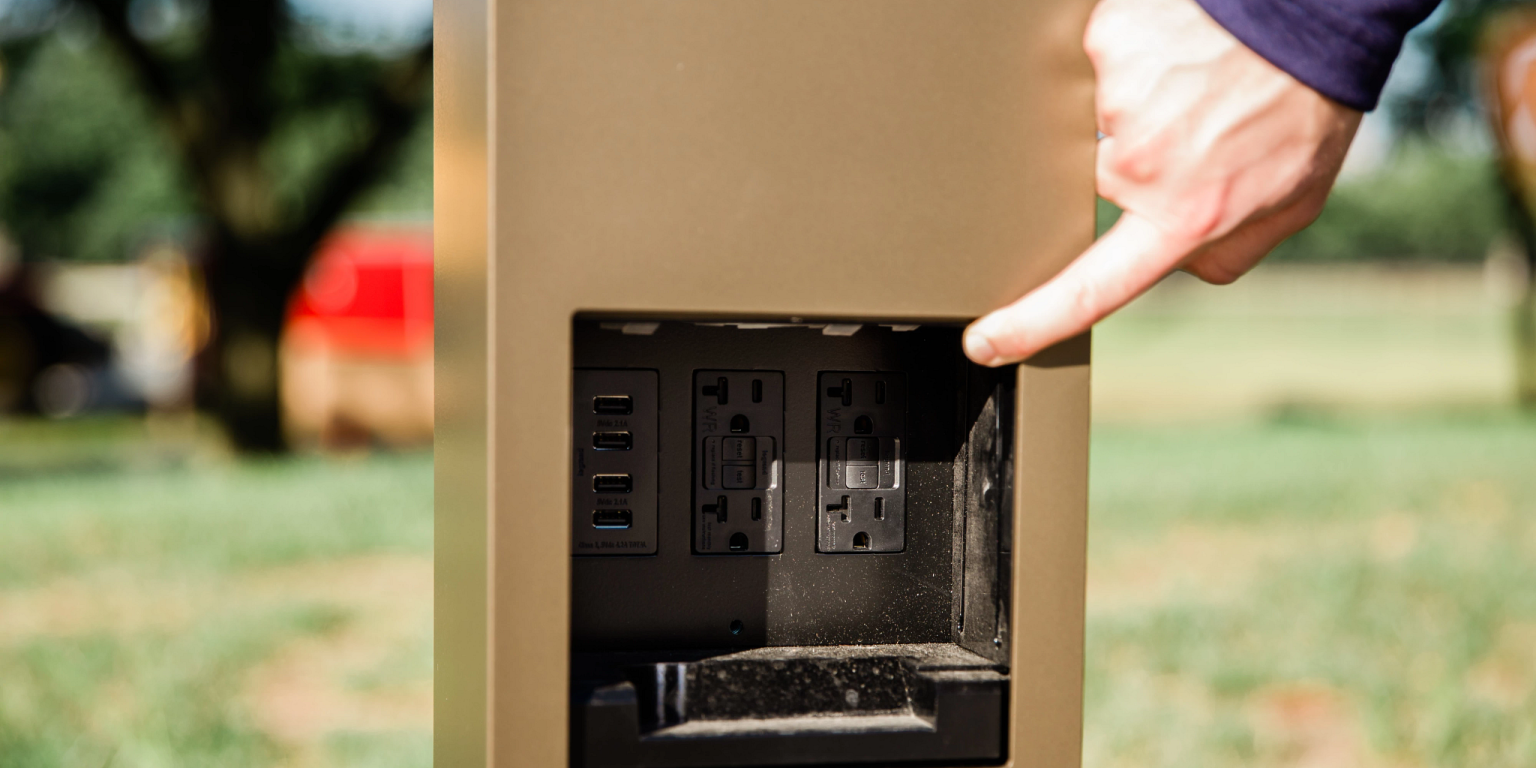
(1132, 163)
(1215, 273)
(1083, 301)
(1109, 111)
(1109, 187)
(1201, 217)
(1093, 41)
(1310, 208)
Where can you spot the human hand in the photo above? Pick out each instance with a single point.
(1214, 154)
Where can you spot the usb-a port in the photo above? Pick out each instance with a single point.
(610, 519)
(612, 441)
(613, 405)
(613, 483)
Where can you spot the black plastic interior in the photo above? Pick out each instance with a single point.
(804, 658)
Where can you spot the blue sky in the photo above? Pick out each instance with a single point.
(382, 18)
(387, 18)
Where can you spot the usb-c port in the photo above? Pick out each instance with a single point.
(612, 441)
(612, 483)
(613, 405)
(610, 519)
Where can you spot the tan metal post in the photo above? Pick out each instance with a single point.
(699, 158)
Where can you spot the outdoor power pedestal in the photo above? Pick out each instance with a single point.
(716, 485)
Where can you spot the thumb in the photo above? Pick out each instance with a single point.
(1130, 258)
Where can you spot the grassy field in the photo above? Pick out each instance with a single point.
(1313, 526)
(1350, 338)
(1314, 592)
(1312, 544)
(203, 612)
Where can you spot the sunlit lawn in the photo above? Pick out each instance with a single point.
(217, 613)
(1314, 592)
(1297, 574)
(1313, 528)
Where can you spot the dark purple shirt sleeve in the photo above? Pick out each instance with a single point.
(1344, 49)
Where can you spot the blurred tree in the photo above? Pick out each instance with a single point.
(1428, 204)
(265, 132)
(1462, 42)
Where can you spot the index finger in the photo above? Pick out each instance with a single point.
(1130, 258)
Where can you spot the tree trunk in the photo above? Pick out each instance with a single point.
(1525, 334)
(1524, 320)
(238, 374)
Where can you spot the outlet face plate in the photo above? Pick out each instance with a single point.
(613, 488)
(738, 491)
(861, 493)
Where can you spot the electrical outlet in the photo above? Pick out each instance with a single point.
(861, 496)
(738, 491)
(613, 469)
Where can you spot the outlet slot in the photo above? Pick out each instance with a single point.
(615, 474)
(613, 483)
(613, 405)
(612, 519)
(717, 509)
(862, 467)
(720, 391)
(841, 509)
(737, 462)
(613, 441)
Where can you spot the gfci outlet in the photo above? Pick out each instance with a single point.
(862, 490)
(738, 430)
(613, 463)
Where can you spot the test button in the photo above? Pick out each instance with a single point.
(738, 476)
(863, 475)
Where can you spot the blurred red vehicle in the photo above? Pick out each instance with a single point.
(357, 347)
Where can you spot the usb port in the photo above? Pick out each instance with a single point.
(612, 441)
(613, 483)
(610, 519)
(613, 405)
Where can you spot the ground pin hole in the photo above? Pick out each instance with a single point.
(861, 540)
(863, 425)
(736, 627)
(738, 541)
(739, 423)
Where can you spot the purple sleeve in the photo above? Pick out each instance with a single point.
(1342, 48)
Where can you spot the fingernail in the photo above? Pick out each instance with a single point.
(978, 347)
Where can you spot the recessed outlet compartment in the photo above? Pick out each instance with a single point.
(613, 467)
(862, 418)
(829, 582)
(738, 428)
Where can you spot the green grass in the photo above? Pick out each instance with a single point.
(1260, 591)
(140, 605)
(160, 698)
(1307, 586)
(246, 515)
